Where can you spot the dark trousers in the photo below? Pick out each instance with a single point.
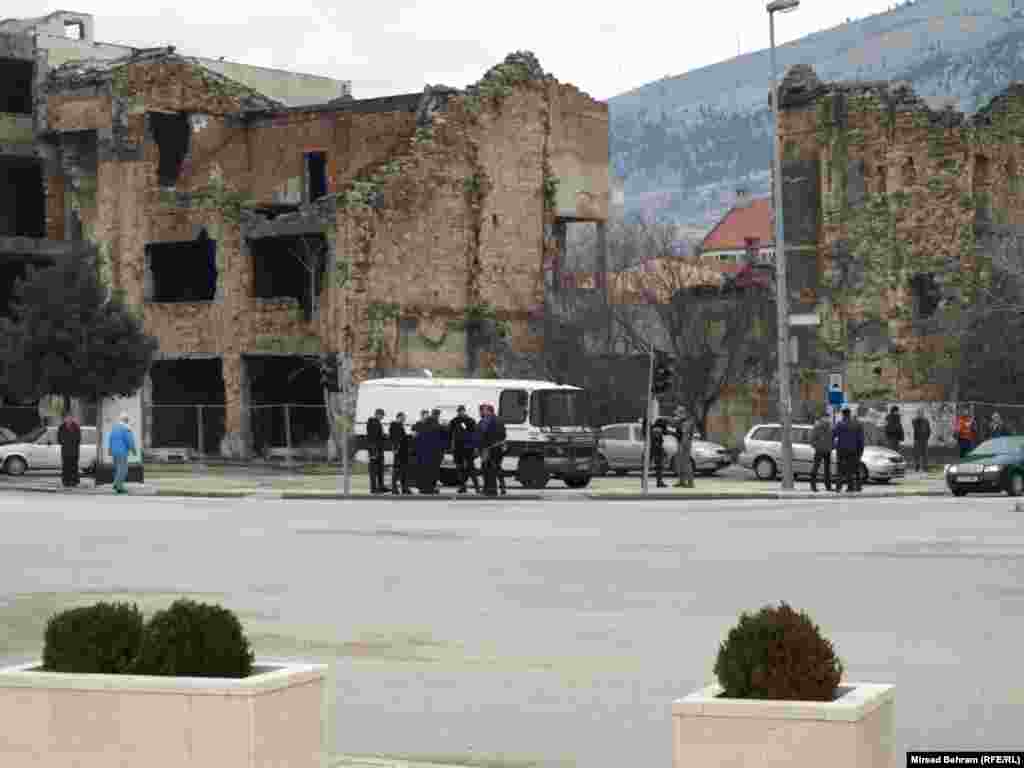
(894, 443)
(465, 469)
(400, 475)
(658, 461)
(376, 470)
(69, 468)
(427, 472)
(921, 456)
(822, 459)
(965, 446)
(849, 471)
(493, 476)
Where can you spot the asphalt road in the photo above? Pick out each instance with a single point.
(559, 633)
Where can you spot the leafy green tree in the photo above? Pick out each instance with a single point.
(68, 335)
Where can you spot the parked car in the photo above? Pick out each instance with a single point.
(621, 450)
(7, 436)
(39, 449)
(995, 465)
(762, 452)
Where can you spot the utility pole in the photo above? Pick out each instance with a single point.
(647, 422)
(781, 282)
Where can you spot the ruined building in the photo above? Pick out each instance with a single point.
(893, 212)
(259, 218)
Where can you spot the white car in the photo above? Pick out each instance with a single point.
(621, 450)
(39, 449)
(762, 452)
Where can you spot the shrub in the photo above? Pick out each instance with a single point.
(192, 639)
(97, 639)
(778, 653)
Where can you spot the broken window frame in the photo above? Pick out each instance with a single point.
(29, 206)
(209, 294)
(313, 192)
(19, 100)
(170, 158)
(309, 263)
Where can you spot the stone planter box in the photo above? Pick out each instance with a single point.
(272, 718)
(854, 731)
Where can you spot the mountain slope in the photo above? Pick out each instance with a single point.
(685, 143)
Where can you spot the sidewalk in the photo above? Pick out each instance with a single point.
(196, 483)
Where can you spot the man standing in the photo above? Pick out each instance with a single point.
(894, 429)
(375, 447)
(492, 441)
(996, 426)
(849, 443)
(400, 450)
(684, 436)
(122, 444)
(821, 441)
(658, 449)
(462, 428)
(922, 433)
(69, 435)
(442, 439)
(966, 432)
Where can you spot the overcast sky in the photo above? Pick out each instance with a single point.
(396, 46)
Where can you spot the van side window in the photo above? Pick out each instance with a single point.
(512, 406)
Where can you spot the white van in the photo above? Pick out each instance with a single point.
(548, 425)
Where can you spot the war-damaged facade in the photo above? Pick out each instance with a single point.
(893, 211)
(253, 233)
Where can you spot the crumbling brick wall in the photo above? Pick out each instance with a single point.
(903, 188)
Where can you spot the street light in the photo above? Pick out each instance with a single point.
(781, 282)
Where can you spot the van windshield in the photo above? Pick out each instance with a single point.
(560, 408)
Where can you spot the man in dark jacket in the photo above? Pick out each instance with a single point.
(375, 443)
(492, 446)
(429, 445)
(69, 435)
(848, 437)
(462, 428)
(922, 433)
(658, 431)
(821, 441)
(400, 450)
(894, 429)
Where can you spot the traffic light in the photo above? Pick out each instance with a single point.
(663, 375)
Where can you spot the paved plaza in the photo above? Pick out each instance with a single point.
(515, 633)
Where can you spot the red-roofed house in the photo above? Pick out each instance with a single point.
(744, 235)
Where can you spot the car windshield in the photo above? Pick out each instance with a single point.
(560, 408)
(7, 436)
(32, 436)
(1000, 445)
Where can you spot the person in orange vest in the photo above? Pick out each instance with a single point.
(966, 430)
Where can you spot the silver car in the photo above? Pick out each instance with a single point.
(621, 450)
(762, 452)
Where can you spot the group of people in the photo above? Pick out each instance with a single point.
(965, 429)
(681, 428)
(418, 455)
(69, 437)
(847, 439)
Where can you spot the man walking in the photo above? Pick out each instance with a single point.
(400, 450)
(684, 437)
(69, 435)
(122, 444)
(894, 429)
(821, 441)
(849, 444)
(375, 447)
(462, 428)
(922, 433)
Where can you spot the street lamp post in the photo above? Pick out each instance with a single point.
(781, 281)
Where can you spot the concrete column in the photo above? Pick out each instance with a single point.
(237, 438)
(147, 411)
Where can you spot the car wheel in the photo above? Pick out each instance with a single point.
(577, 481)
(531, 473)
(765, 468)
(959, 492)
(15, 466)
(1015, 484)
(601, 465)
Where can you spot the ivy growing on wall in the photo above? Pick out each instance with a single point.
(378, 316)
(218, 195)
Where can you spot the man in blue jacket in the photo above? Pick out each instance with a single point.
(848, 437)
(122, 443)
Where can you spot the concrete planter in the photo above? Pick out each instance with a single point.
(272, 718)
(854, 731)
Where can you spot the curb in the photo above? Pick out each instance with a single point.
(765, 495)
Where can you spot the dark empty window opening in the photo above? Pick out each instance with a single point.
(292, 379)
(316, 175)
(74, 30)
(171, 133)
(926, 293)
(16, 86)
(291, 266)
(178, 387)
(183, 271)
(22, 200)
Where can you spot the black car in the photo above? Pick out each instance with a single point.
(995, 465)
